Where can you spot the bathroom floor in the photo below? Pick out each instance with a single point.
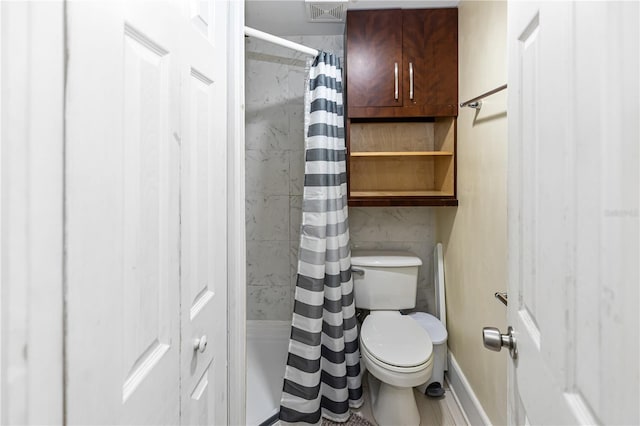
(433, 412)
(267, 345)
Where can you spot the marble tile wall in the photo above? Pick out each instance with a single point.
(274, 180)
(399, 228)
(275, 170)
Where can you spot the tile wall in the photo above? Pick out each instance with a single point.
(274, 182)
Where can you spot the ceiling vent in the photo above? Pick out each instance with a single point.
(326, 10)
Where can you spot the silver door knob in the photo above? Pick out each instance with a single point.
(495, 341)
(200, 344)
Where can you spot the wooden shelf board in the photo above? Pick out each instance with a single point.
(442, 201)
(401, 153)
(386, 194)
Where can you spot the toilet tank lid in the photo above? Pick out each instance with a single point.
(385, 258)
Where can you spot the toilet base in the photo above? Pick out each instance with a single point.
(392, 405)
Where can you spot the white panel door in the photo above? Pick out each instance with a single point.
(123, 336)
(573, 212)
(146, 212)
(204, 214)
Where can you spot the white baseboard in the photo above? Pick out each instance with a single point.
(466, 398)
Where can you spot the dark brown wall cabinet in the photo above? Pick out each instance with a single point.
(402, 63)
(402, 93)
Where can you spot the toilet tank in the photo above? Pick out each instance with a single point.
(385, 280)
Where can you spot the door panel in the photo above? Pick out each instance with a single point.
(202, 13)
(122, 216)
(197, 209)
(607, 212)
(203, 214)
(530, 205)
(197, 254)
(122, 258)
(149, 210)
(200, 407)
(537, 184)
(573, 212)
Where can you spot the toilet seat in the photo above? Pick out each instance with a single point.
(395, 342)
(396, 351)
(394, 368)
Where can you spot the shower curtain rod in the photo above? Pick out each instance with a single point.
(252, 32)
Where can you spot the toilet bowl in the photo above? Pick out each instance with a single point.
(396, 351)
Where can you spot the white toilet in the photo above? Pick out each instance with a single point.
(395, 349)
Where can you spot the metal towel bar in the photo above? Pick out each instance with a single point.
(502, 297)
(477, 101)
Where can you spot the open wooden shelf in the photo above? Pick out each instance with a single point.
(400, 153)
(402, 162)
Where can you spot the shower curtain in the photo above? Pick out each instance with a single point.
(322, 376)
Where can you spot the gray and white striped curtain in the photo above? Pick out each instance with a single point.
(322, 376)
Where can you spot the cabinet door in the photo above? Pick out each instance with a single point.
(374, 48)
(430, 48)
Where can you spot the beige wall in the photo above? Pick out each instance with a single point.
(474, 233)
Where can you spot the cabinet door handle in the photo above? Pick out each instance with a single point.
(395, 73)
(411, 80)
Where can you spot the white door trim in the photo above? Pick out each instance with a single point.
(236, 293)
(2, 333)
(32, 217)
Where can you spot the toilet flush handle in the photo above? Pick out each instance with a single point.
(357, 271)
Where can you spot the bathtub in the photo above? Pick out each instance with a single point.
(267, 346)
